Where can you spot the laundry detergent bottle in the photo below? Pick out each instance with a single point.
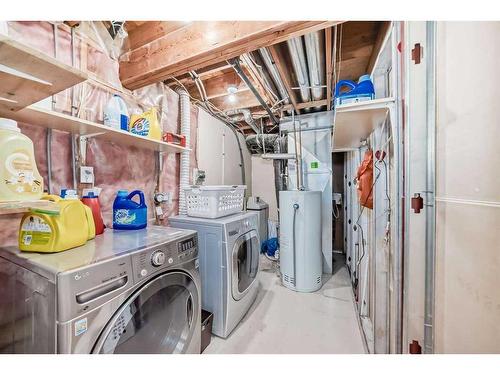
(127, 213)
(46, 232)
(91, 200)
(19, 177)
(116, 113)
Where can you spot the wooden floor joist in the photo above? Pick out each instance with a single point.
(200, 44)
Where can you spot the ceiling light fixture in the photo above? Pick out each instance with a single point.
(232, 89)
(232, 98)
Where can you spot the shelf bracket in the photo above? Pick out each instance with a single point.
(82, 149)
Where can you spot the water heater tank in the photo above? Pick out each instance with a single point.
(300, 240)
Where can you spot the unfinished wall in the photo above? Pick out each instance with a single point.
(263, 184)
(219, 155)
(468, 196)
(115, 166)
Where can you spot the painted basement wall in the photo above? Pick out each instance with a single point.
(467, 305)
(263, 184)
(218, 153)
(115, 166)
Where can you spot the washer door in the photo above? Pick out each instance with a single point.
(245, 263)
(159, 317)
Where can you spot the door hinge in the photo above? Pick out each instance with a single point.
(417, 203)
(417, 53)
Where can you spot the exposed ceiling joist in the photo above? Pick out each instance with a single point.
(384, 29)
(216, 85)
(246, 99)
(142, 33)
(199, 44)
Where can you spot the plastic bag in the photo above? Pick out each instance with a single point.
(365, 180)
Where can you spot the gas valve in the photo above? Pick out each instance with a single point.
(417, 203)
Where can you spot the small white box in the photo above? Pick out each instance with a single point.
(87, 175)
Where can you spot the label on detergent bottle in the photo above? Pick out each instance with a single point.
(140, 126)
(20, 177)
(35, 231)
(124, 217)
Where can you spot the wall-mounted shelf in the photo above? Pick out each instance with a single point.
(355, 122)
(28, 76)
(50, 119)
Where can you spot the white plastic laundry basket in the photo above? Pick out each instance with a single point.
(214, 201)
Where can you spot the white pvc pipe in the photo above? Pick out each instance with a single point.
(185, 115)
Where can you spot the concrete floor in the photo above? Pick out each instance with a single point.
(282, 321)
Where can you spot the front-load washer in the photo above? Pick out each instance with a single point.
(229, 262)
(124, 292)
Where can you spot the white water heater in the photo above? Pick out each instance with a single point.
(301, 260)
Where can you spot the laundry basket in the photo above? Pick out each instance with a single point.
(214, 201)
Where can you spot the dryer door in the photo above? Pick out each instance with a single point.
(245, 263)
(160, 317)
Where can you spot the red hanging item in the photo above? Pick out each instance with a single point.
(365, 180)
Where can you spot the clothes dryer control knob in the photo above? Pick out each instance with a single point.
(158, 258)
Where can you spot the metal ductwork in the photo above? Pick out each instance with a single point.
(315, 63)
(238, 115)
(269, 63)
(300, 66)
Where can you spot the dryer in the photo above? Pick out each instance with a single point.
(229, 249)
(124, 292)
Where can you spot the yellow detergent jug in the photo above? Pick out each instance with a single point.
(45, 232)
(19, 177)
(146, 124)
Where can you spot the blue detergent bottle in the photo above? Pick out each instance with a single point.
(356, 92)
(127, 213)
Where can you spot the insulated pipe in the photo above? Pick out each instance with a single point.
(243, 114)
(185, 131)
(269, 63)
(300, 66)
(314, 63)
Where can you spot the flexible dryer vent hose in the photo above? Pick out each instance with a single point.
(185, 109)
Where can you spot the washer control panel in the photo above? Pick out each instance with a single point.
(163, 256)
(187, 248)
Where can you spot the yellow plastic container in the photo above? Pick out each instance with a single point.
(19, 177)
(146, 124)
(48, 233)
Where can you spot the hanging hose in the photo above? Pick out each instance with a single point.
(295, 209)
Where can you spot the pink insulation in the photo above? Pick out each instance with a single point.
(115, 166)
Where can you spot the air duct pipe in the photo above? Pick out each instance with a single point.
(268, 62)
(185, 131)
(243, 115)
(300, 66)
(314, 62)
